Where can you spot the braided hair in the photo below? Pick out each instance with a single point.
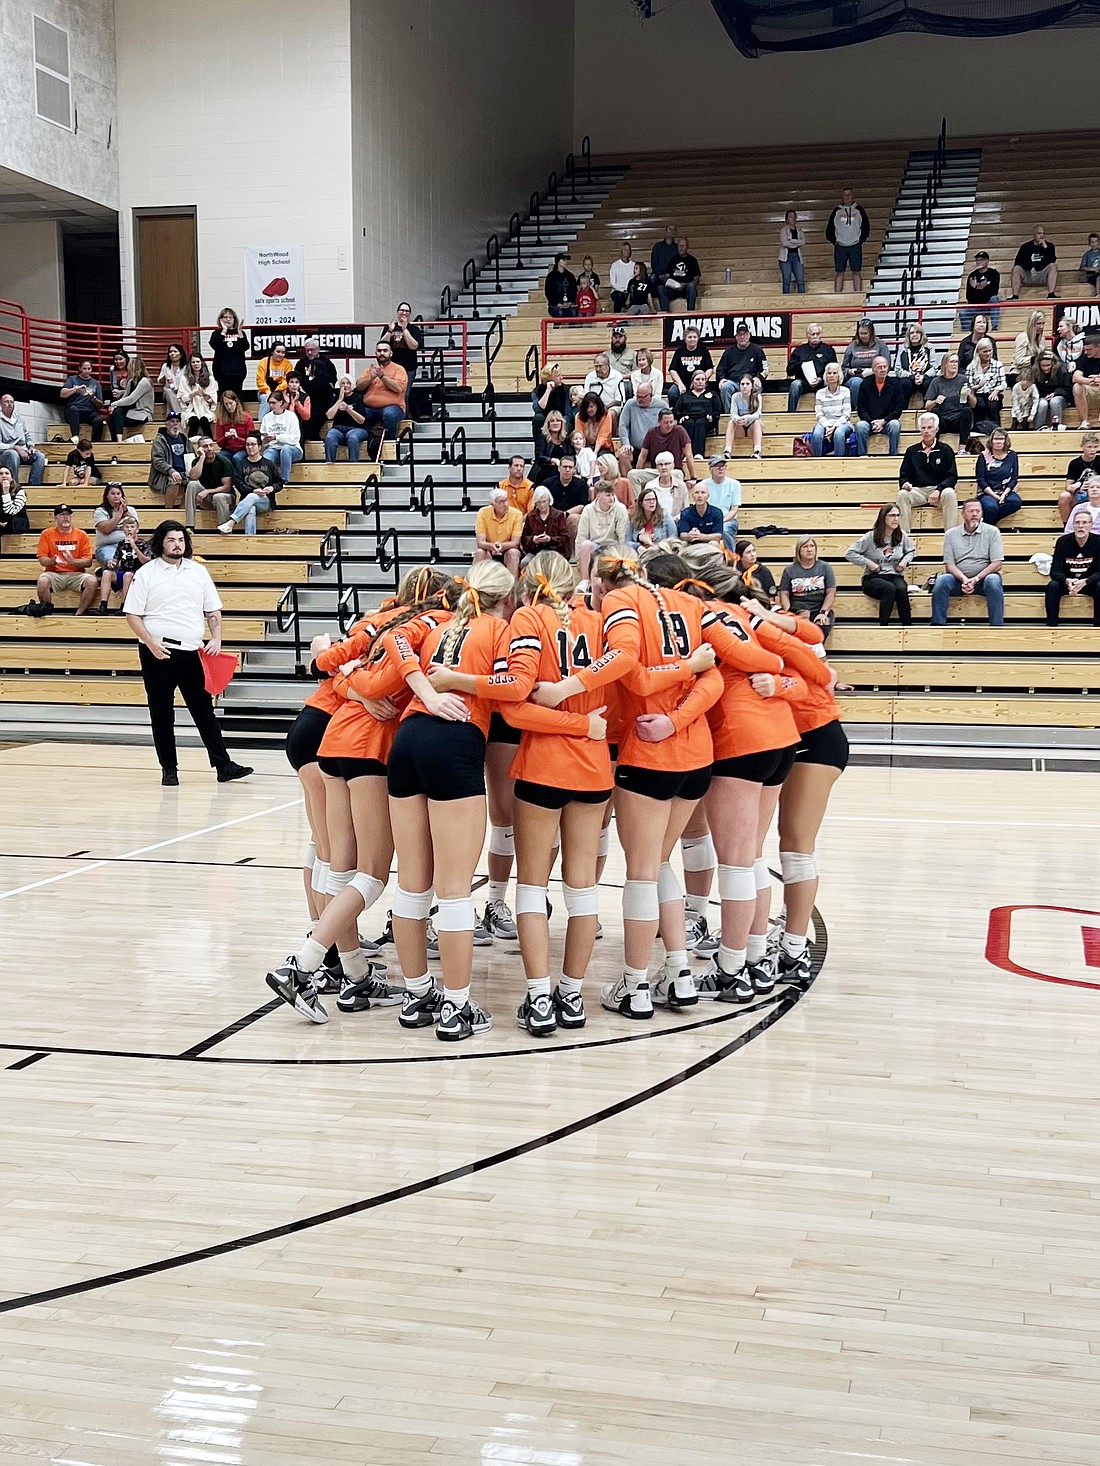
(549, 577)
(618, 568)
(420, 590)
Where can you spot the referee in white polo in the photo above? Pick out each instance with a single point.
(170, 602)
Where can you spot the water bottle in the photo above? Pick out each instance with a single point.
(729, 274)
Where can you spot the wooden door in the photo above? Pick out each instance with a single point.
(167, 269)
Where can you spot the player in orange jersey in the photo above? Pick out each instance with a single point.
(302, 742)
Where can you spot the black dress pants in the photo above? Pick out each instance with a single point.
(161, 678)
(890, 591)
(1056, 589)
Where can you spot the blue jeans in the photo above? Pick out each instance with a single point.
(353, 437)
(853, 384)
(1052, 408)
(947, 586)
(893, 433)
(688, 296)
(247, 509)
(796, 391)
(562, 310)
(729, 534)
(840, 440)
(791, 269)
(10, 458)
(286, 455)
(968, 312)
(993, 512)
(389, 417)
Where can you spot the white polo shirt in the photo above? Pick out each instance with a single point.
(173, 600)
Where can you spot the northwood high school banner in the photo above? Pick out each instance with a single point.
(274, 284)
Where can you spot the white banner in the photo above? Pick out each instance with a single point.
(274, 285)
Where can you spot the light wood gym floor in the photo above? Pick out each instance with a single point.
(857, 1228)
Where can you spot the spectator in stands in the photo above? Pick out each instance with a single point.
(944, 397)
(915, 362)
(198, 404)
(1078, 472)
(611, 474)
(551, 395)
(688, 358)
(346, 419)
(1035, 264)
(231, 423)
(846, 231)
(118, 380)
(210, 479)
(588, 267)
(973, 555)
(1068, 343)
(680, 283)
(879, 406)
(1025, 399)
(698, 411)
(622, 357)
(661, 256)
(83, 399)
(383, 386)
(229, 346)
(297, 401)
(1092, 500)
(497, 531)
(807, 586)
(1030, 343)
(282, 435)
(639, 415)
(568, 494)
(80, 466)
(406, 343)
(1054, 391)
(667, 437)
(985, 384)
(806, 365)
(595, 422)
(588, 302)
(669, 486)
(834, 414)
(1090, 263)
(928, 475)
(168, 461)
(724, 494)
(859, 356)
(605, 383)
(560, 288)
(1086, 381)
(551, 446)
(647, 373)
(883, 554)
(130, 555)
(638, 292)
(757, 578)
(317, 374)
(65, 553)
(602, 522)
(256, 482)
(997, 472)
(585, 457)
(134, 408)
(170, 376)
(746, 411)
(16, 444)
(650, 523)
(792, 241)
(107, 522)
(982, 287)
(13, 505)
(620, 275)
(700, 521)
(1075, 567)
(737, 360)
(979, 331)
(545, 528)
(271, 374)
(517, 486)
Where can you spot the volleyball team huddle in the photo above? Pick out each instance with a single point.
(660, 689)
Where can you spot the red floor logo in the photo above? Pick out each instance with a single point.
(1025, 939)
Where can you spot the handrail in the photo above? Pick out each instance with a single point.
(489, 415)
(469, 282)
(531, 364)
(552, 191)
(586, 153)
(495, 334)
(457, 460)
(492, 257)
(374, 505)
(534, 211)
(332, 553)
(515, 231)
(570, 171)
(427, 508)
(347, 609)
(447, 313)
(388, 561)
(406, 435)
(288, 618)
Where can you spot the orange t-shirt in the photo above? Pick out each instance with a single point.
(71, 542)
(377, 394)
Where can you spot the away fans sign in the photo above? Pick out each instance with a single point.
(274, 285)
(771, 329)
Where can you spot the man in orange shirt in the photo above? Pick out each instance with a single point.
(64, 552)
(383, 386)
(498, 529)
(517, 485)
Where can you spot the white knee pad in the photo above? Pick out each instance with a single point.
(368, 886)
(761, 875)
(319, 879)
(797, 867)
(640, 902)
(605, 841)
(412, 905)
(531, 900)
(310, 858)
(456, 915)
(501, 840)
(668, 887)
(699, 853)
(581, 900)
(337, 880)
(736, 883)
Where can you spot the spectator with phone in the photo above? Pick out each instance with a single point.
(82, 396)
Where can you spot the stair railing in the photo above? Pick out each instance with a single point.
(389, 556)
(406, 453)
(531, 365)
(456, 456)
(426, 505)
(586, 154)
(469, 282)
(348, 610)
(489, 415)
(331, 554)
(494, 340)
(515, 231)
(534, 211)
(552, 193)
(492, 257)
(571, 173)
(288, 617)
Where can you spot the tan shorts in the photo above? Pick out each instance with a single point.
(1092, 402)
(67, 579)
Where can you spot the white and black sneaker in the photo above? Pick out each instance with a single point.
(537, 1015)
(329, 978)
(499, 921)
(706, 984)
(675, 990)
(385, 937)
(422, 1011)
(794, 970)
(369, 948)
(699, 938)
(762, 977)
(483, 937)
(617, 997)
(733, 987)
(371, 991)
(296, 989)
(569, 1008)
(455, 1023)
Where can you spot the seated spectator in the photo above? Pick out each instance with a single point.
(1078, 472)
(210, 480)
(724, 494)
(168, 461)
(806, 365)
(256, 482)
(560, 288)
(1069, 342)
(620, 485)
(847, 231)
(602, 522)
(229, 345)
(346, 418)
(1090, 264)
(81, 468)
(383, 387)
(118, 381)
(647, 374)
(317, 375)
(517, 486)
(1035, 265)
(985, 384)
(792, 241)
(1025, 399)
(698, 411)
(746, 411)
(649, 522)
(982, 288)
(130, 554)
(639, 414)
(133, 408)
(679, 286)
(997, 472)
(271, 374)
(65, 553)
(879, 406)
(701, 521)
(622, 357)
(551, 395)
(979, 331)
(585, 457)
(661, 255)
(915, 362)
(756, 578)
(551, 446)
(1086, 381)
(1092, 500)
(16, 444)
(1054, 391)
(928, 475)
(497, 531)
(1030, 343)
(667, 437)
(604, 382)
(83, 399)
(198, 404)
(545, 528)
(688, 358)
(170, 377)
(740, 359)
(231, 423)
(568, 494)
(858, 361)
(620, 275)
(944, 397)
(973, 555)
(833, 411)
(807, 586)
(588, 302)
(297, 402)
(1075, 567)
(595, 421)
(281, 434)
(107, 522)
(406, 341)
(13, 505)
(883, 554)
(638, 292)
(669, 486)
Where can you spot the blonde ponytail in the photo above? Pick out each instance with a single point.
(549, 577)
(483, 589)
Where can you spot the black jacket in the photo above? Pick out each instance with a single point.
(1072, 561)
(891, 402)
(561, 288)
(935, 470)
(821, 356)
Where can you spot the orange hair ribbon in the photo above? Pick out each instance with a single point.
(471, 591)
(702, 585)
(544, 588)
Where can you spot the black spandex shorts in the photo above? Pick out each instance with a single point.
(304, 738)
(548, 797)
(501, 731)
(663, 784)
(613, 750)
(826, 745)
(352, 768)
(440, 760)
(769, 768)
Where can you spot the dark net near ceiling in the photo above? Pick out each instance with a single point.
(814, 25)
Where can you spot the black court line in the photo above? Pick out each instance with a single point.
(415, 1188)
(223, 1033)
(28, 1061)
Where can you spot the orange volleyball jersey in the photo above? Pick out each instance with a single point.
(811, 700)
(326, 697)
(480, 650)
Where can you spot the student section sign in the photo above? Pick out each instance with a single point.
(773, 328)
(274, 284)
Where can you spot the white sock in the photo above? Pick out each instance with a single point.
(730, 961)
(458, 996)
(354, 964)
(420, 987)
(792, 945)
(570, 984)
(538, 987)
(498, 890)
(310, 955)
(758, 947)
(634, 976)
(675, 962)
(697, 905)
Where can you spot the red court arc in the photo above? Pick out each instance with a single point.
(999, 938)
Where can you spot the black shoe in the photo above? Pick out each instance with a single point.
(733, 987)
(385, 937)
(455, 1024)
(329, 979)
(169, 778)
(370, 991)
(420, 1012)
(569, 1008)
(794, 970)
(538, 1015)
(228, 772)
(762, 978)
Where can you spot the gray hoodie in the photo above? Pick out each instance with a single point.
(880, 559)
